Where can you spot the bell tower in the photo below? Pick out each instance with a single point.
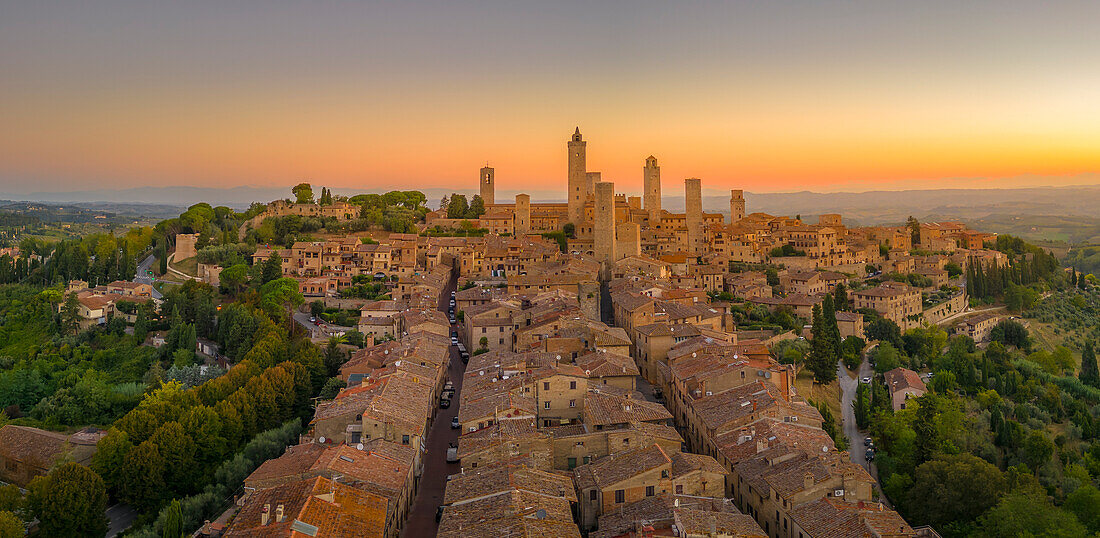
(488, 185)
(577, 186)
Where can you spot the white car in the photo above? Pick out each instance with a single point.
(866, 380)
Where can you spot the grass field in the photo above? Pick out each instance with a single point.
(189, 266)
(830, 394)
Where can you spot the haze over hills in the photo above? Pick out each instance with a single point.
(872, 207)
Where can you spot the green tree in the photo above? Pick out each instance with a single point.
(953, 489)
(1084, 502)
(1037, 449)
(141, 478)
(823, 358)
(884, 330)
(914, 230)
(69, 501)
(1089, 375)
(272, 268)
(70, 315)
(1028, 514)
(173, 523)
(477, 207)
(110, 455)
(11, 526)
(457, 207)
(303, 193)
(235, 277)
(929, 442)
(840, 297)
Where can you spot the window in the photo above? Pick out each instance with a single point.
(571, 462)
(572, 385)
(620, 496)
(592, 495)
(679, 489)
(572, 403)
(546, 386)
(404, 439)
(546, 405)
(664, 473)
(649, 491)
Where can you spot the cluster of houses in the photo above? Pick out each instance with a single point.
(98, 304)
(357, 467)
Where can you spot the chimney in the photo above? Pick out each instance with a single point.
(265, 514)
(279, 514)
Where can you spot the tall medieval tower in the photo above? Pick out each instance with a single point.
(603, 233)
(488, 185)
(522, 215)
(578, 180)
(737, 205)
(652, 195)
(693, 214)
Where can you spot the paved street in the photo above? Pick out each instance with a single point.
(436, 469)
(142, 274)
(848, 387)
(121, 517)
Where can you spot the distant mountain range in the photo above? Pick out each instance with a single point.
(874, 207)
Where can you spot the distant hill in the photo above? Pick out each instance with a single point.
(873, 207)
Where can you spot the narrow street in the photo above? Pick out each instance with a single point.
(142, 274)
(848, 387)
(433, 480)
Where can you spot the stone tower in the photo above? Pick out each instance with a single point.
(488, 185)
(652, 196)
(603, 227)
(693, 215)
(629, 237)
(522, 215)
(591, 179)
(588, 299)
(737, 205)
(578, 182)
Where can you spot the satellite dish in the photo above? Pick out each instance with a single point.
(824, 449)
(322, 439)
(359, 446)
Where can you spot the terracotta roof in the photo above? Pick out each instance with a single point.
(836, 518)
(40, 447)
(903, 378)
(513, 514)
(504, 477)
(603, 406)
(657, 511)
(699, 522)
(610, 470)
(313, 507)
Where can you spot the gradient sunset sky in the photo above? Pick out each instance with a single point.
(765, 96)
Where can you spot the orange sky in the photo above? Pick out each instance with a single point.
(101, 101)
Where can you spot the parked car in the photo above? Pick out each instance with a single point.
(438, 513)
(452, 454)
(465, 356)
(454, 340)
(866, 381)
(454, 423)
(867, 441)
(870, 454)
(444, 403)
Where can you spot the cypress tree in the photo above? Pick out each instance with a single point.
(1089, 374)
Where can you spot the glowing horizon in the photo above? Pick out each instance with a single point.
(838, 97)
